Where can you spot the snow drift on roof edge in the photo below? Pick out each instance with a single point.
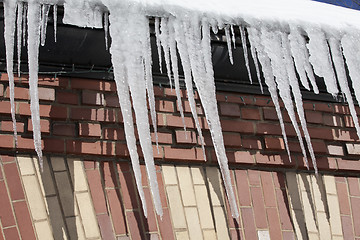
(276, 37)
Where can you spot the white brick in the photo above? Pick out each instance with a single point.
(183, 235)
(203, 204)
(263, 235)
(26, 165)
(353, 149)
(330, 185)
(44, 177)
(186, 187)
(56, 218)
(77, 174)
(198, 175)
(176, 208)
(334, 211)
(58, 164)
(309, 212)
(66, 193)
(193, 223)
(34, 197)
(324, 226)
(169, 174)
(210, 234)
(318, 193)
(221, 223)
(213, 179)
(87, 214)
(75, 228)
(313, 236)
(304, 181)
(43, 230)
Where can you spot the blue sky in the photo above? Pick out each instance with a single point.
(354, 4)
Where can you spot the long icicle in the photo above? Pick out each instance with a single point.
(185, 61)
(34, 24)
(9, 34)
(19, 21)
(228, 41)
(246, 55)
(24, 25)
(204, 81)
(55, 21)
(165, 44)
(175, 69)
(254, 57)
(295, 88)
(106, 29)
(44, 20)
(255, 42)
(158, 44)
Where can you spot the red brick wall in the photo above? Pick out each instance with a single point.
(80, 118)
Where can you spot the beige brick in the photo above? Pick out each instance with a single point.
(56, 218)
(87, 214)
(169, 174)
(334, 212)
(66, 193)
(176, 208)
(193, 223)
(58, 164)
(44, 177)
(324, 226)
(353, 149)
(203, 204)
(293, 190)
(308, 211)
(318, 193)
(77, 174)
(76, 230)
(43, 230)
(213, 179)
(183, 235)
(198, 175)
(337, 238)
(34, 197)
(26, 165)
(330, 185)
(263, 235)
(210, 234)
(186, 186)
(304, 182)
(221, 223)
(299, 223)
(313, 236)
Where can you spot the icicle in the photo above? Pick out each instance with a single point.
(19, 21)
(158, 44)
(233, 38)
(127, 54)
(206, 89)
(321, 60)
(55, 21)
(297, 94)
(165, 44)
(9, 35)
(149, 81)
(25, 10)
(181, 45)
(175, 69)
(34, 25)
(246, 57)
(106, 29)
(338, 60)
(228, 40)
(301, 58)
(258, 49)
(272, 46)
(44, 20)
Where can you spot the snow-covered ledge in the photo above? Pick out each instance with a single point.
(275, 29)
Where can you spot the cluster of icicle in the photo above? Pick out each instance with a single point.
(282, 56)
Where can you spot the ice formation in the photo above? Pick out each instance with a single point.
(283, 47)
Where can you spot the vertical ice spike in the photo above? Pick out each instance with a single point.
(19, 28)
(44, 20)
(24, 25)
(164, 40)
(34, 25)
(246, 57)
(9, 35)
(233, 37)
(158, 44)
(106, 29)
(55, 21)
(228, 41)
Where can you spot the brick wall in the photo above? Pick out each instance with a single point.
(87, 188)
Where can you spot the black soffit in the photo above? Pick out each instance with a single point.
(80, 52)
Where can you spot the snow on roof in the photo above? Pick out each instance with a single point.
(275, 29)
